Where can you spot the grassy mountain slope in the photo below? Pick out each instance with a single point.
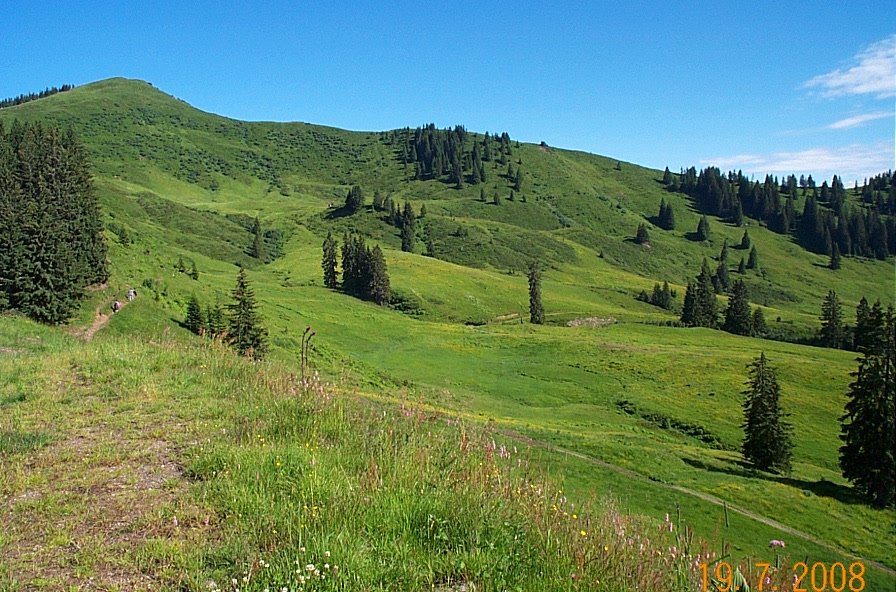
(659, 401)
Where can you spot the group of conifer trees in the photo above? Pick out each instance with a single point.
(439, 153)
(51, 233)
(364, 272)
(241, 326)
(34, 96)
(867, 427)
(827, 225)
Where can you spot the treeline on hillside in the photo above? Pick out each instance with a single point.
(828, 221)
(444, 153)
(51, 235)
(34, 96)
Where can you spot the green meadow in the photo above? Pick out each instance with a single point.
(630, 420)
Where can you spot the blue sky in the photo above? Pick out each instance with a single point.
(779, 87)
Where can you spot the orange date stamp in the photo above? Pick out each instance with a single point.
(818, 577)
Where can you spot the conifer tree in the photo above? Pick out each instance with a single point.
(245, 331)
(331, 279)
(408, 228)
(753, 259)
(378, 288)
(863, 333)
(641, 236)
(705, 312)
(194, 321)
(194, 273)
(745, 240)
(738, 319)
(257, 249)
(354, 199)
(703, 231)
(536, 310)
(215, 323)
(868, 426)
(835, 257)
(757, 323)
(832, 332)
(721, 280)
(742, 267)
(689, 307)
(767, 436)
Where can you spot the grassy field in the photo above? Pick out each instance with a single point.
(643, 414)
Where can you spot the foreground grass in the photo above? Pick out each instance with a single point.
(174, 465)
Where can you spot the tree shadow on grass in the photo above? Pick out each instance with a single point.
(823, 488)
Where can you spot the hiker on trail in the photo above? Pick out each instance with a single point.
(132, 293)
(116, 306)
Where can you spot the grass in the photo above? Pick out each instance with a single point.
(245, 472)
(610, 412)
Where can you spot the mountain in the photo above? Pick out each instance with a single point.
(646, 412)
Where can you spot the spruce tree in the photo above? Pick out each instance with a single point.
(722, 281)
(641, 236)
(745, 241)
(536, 310)
(331, 279)
(354, 199)
(194, 273)
(832, 332)
(689, 308)
(738, 319)
(703, 231)
(753, 259)
(767, 436)
(705, 312)
(742, 267)
(245, 331)
(868, 426)
(378, 288)
(835, 257)
(215, 323)
(757, 323)
(194, 321)
(862, 335)
(408, 228)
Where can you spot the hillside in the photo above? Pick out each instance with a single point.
(628, 410)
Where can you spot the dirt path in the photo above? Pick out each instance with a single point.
(99, 321)
(698, 494)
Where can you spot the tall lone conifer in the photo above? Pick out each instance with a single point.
(246, 334)
(536, 310)
(767, 436)
(832, 333)
(868, 426)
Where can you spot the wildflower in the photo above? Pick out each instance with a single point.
(326, 553)
(301, 549)
(583, 533)
(310, 567)
(174, 521)
(776, 543)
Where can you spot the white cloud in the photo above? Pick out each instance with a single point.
(855, 162)
(873, 72)
(857, 120)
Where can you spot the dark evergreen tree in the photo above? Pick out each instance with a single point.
(536, 310)
(518, 180)
(354, 199)
(194, 273)
(758, 326)
(738, 318)
(667, 177)
(767, 436)
(832, 333)
(705, 314)
(328, 262)
(835, 257)
(378, 288)
(666, 216)
(215, 323)
(689, 308)
(753, 259)
(721, 280)
(378, 201)
(742, 267)
(868, 427)
(703, 231)
(641, 236)
(245, 331)
(745, 241)
(256, 249)
(408, 228)
(863, 335)
(194, 321)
